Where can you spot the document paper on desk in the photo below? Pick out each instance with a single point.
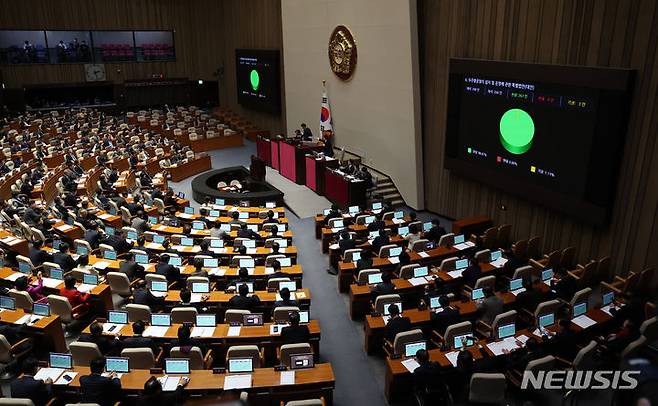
(14, 276)
(51, 283)
(583, 321)
(63, 381)
(233, 331)
(423, 254)
(101, 265)
(498, 347)
(456, 274)
(464, 245)
(287, 378)
(155, 331)
(417, 281)
(452, 357)
(169, 383)
(52, 373)
(203, 332)
(499, 263)
(411, 364)
(84, 288)
(237, 381)
(394, 260)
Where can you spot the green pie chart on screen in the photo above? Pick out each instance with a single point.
(254, 78)
(516, 131)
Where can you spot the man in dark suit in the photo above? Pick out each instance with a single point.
(345, 243)
(205, 249)
(307, 135)
(365, 262)
(427, 375)
(491, 306)
(129, 266)
(37, 255)
(118, 242)
(436, 232)
(242, 300)
(95, 388)
(168, 271)
(63, 258)
(295, 334)
(386, 287)
(376, 225)
(381, 240)
(105, 344)
(245, 232)
(472, 273)
(445, 316)
(39, 392)
(143, 296)
(530, 298)
(137, 340)
(334, 213)
(396, 324)
(285, 299)
(92, 235)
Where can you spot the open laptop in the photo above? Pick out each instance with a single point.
(175, 261)
(206, 320)
(210, 262)
(7, 303)
(200, 287)
(117, 364)
(460, 340)
(421, 271)
(506, 330)
(374, 278)
(41, 309)
(177, 366)
(477, 294)
(291, 285)
(461, 264)
(434, 302)
(410, 349)
(161, 319)
(117, 317)
(515, 284)
(386, 311)
(579, 309)
(57, 360)
(240, 365)
(546, 320)
(547, 275)
(142, 259)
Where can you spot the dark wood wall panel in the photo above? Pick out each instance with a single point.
(207, 33)
(612, 33)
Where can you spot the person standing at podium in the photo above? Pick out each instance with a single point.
(307, 135)
(327, 139)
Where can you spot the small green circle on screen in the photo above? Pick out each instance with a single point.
(255, 79)
(516, 131)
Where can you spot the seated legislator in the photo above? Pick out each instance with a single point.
(164, 268)
(435, 233)
(445, 316)
(427, 376)
(137, 340)
(106, 345)
(154, 395)
(242, 300)
(295, 333)
(491, 306)
(129, 267)
(72, 294)
(386, 287)
(37, 255)
(96, 388)
(63, 258)
(285, 299)
(26, 387)
(345, 243)
(381, 240)
(143, 296)
(35, 291)
(396, 324)
(472, 273)
(365, 262)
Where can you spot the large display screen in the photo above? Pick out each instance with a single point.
(551, 134)
(257, 77)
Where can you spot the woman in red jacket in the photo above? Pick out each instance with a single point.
(72, 294)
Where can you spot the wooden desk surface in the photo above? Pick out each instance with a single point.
(50, 326)
(293, 271)
(223, 297)
(206, 380)
(220, 333)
